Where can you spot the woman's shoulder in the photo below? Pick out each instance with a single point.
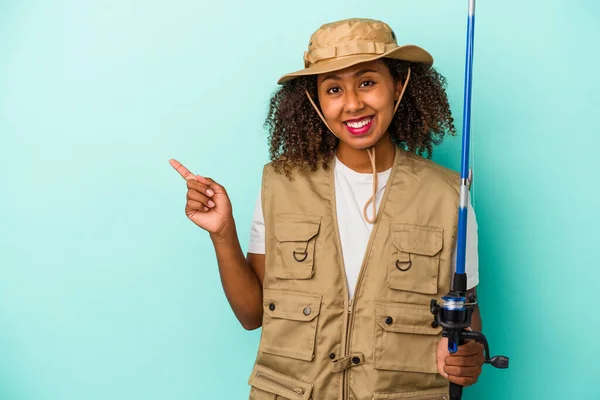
(428, 170)
(282, 167)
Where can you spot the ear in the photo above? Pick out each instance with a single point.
(398, 90)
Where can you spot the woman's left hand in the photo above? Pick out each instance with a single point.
(462, 367)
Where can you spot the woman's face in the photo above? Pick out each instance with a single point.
(358, 102)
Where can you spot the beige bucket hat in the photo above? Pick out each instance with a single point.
(341, 44)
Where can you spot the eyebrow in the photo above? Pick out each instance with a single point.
(355, 75)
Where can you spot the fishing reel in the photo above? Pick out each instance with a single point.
(454, 315)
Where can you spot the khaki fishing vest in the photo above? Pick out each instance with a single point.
(315, 343)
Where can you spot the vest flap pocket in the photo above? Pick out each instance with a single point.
(406, 318)
(415, 258)
(295, 246)
(404, 338)
(290, 322)
(294, 306)
(296, 228)
(416, 239)
(277, 383)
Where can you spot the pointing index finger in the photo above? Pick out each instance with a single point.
(183, 171)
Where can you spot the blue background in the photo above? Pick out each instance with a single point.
(107, 291)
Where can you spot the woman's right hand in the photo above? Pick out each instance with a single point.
(208, 204)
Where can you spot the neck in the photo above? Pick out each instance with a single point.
(359, 161)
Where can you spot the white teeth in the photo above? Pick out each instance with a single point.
(359, 124)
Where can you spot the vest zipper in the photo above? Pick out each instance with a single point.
(347, 350)
(264, 377)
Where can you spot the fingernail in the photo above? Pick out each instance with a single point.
(209, 192)
(211, 203)
(205, 208)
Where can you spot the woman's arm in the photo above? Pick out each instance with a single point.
(241, 278)
(209, 207)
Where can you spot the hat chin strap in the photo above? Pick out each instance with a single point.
(370, 152)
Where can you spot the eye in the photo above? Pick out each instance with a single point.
(366, 83)
(333, 90)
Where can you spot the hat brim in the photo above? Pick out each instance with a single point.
(407, 52)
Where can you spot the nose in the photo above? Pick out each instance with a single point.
(354, 102)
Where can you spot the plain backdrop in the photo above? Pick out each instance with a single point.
(107, 291)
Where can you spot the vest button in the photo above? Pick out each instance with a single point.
(332, 356)
(271, 306)
(306, 311)
(389, 320)
(355, 360)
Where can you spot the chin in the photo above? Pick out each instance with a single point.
(361, 142)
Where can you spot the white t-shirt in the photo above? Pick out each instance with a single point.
(353, 190)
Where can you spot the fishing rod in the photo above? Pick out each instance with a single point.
(454, 314)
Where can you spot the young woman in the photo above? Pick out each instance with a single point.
(354, 231)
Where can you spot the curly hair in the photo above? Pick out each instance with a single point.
(298, 138)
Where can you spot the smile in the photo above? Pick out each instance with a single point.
(359, 127)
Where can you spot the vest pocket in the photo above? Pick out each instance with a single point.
(404, 338)
(410, 396)
(268, 384)
(415, 259)
(290, 323)
(296, 239)
(257, 394)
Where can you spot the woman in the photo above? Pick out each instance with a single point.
(354, 232)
